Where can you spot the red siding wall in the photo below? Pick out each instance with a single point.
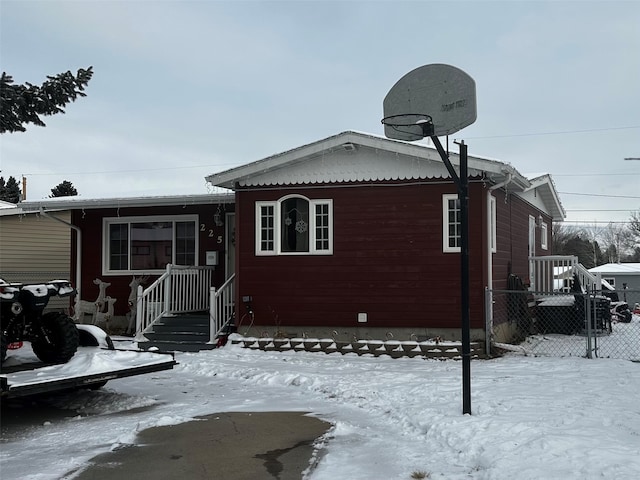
(512, 254)
(90, 222)
(387, 261)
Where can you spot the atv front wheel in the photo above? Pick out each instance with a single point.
(57, 340)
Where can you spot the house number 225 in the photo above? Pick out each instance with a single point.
(203, 228)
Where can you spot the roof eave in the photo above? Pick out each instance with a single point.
(75, 203)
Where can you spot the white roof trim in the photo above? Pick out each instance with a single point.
(420, 162)
(617, 269)
(77, 202)
(547, 189)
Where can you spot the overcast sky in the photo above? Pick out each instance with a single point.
(185, 89)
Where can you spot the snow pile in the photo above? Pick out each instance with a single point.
(533, 418)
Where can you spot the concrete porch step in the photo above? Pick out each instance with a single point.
(174, 346)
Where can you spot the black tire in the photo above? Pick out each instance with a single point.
(59, 341)
(3, 347)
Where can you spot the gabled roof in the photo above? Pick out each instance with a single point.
(617, 269)
(77, 202)
(359, 157)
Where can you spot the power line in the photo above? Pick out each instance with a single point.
(597, 222)
(598, 195)
(555, 133)
(595, 174)
(181, 167)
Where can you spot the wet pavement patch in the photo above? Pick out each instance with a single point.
(224, 446)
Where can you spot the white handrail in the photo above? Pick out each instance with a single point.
(554, 273)
(180, 289)
(221, 308)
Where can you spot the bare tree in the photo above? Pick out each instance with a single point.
(634, 225)
(592, 233)
(618, 239)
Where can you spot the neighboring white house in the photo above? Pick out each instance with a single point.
(624, 277)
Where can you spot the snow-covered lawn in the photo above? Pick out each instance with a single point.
(533, 417)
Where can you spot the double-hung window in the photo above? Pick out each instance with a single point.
(148, 244)
(451, 223)
(294, 225)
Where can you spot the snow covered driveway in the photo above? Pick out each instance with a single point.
(533, 418)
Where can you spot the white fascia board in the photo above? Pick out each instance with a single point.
(496, 170)
(545, 183)
(75, 202)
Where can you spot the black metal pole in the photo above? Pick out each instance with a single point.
(463, 196)
(462, 182)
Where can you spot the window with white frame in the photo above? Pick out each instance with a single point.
(147, 244)
(294, 225)
(544, 236)
(451, 223)
(610, 280)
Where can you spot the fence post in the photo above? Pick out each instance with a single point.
(488, 324)
(587, 309)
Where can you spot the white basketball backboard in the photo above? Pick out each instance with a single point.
(442, 92)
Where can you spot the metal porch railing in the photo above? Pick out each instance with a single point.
(180, 289)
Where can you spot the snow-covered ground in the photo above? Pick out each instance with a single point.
(533, 417)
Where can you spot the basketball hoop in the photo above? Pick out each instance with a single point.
(449, 95)
(411, 126)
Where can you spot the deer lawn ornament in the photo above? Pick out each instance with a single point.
(82, 307)
(133, 301)
(102, 319)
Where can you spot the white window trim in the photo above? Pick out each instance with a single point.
(106, 221)
(445, 223)
(544, 236)
(258, 230)
(277, 212)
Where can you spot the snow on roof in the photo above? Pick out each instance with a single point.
(78, 202)
(4, 204)
(618, 269)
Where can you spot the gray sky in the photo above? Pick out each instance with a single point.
(185, 89)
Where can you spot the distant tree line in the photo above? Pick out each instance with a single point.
(597, 245)
(10, 190)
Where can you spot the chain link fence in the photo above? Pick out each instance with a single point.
(603, 324)
(57, 304)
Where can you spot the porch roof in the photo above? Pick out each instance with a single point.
(77, 202)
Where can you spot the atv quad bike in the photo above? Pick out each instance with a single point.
(53, 335)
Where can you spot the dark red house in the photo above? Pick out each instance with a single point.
(117, 239)
(358, 235)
